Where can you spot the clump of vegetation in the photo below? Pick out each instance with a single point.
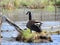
(55, 32)
(17, 3)
(27, 33)
(6, 5)
(58, 2)
(27, 36)
(33, 4)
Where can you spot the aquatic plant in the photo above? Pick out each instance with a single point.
(27, 33)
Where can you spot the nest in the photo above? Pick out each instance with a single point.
(35, 38)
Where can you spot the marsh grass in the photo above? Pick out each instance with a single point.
(33, 4)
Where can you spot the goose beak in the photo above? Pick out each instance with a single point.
(29, 12)
(26, 13)
(41, 23)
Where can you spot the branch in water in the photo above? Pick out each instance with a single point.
(13, 24)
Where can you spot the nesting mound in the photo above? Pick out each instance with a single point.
(34, 37)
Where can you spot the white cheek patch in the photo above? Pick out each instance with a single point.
(37, 23)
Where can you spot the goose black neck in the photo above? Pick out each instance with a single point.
(29, 13)
(30, 17)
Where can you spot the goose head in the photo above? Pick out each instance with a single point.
(29, 13)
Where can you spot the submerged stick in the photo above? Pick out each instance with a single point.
(13, 24)
(0, 28)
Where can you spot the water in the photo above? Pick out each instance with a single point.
(9, 40)
(47, 25)
(55, 38)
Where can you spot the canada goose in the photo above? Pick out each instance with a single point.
(31, 23)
